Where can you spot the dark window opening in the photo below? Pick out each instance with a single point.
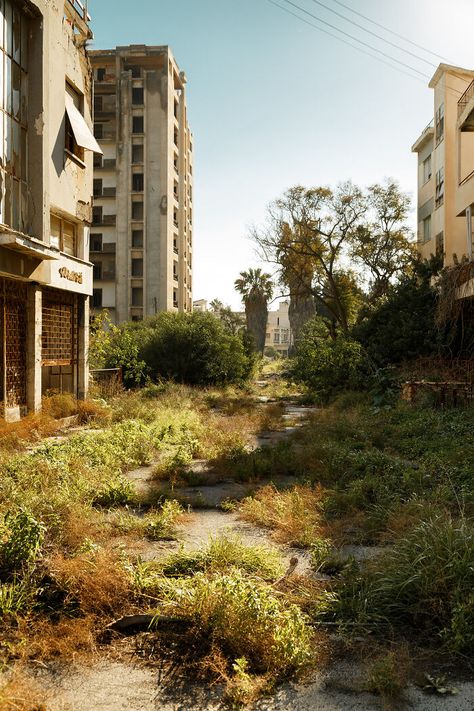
(137, 96)
(137, 239)
(137, 124)
(97, 298)
(137, 211)
(99, 130)
(100, 73)
(97, 189)
(137, 182)
(96, 243)
(137, 296)
(97, 271)
(137, 154)
(137, 267)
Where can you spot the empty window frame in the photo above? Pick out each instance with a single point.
(100, 73)
(137, 182)
(96, 242)
(137, 211)
(97, 187)
(97, 216)
(137, 239)
(97, 271)
(97, 298)
(137, 153)
(137, 124)
(137, 267)
(137, 296)
(137, 96)
(63, 235)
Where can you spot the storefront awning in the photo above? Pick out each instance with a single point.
(82, 133)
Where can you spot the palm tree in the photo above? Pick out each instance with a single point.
(256, 289)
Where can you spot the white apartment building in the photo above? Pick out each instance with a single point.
(279, 335)
(142, 236)
(46, 145)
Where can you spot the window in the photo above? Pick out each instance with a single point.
(137, 182)
(100, 73)
(63, 235)
(97, 271)
(176, 105)
(439, 194)
(98, 103)
(96, 243)
(175, 218)
(427, 169)
(99, 130)
(135, 69)
(137, 239)
(440, 244)
(13, 116)
(276, 338)
(427, 229)
(137, 296)
(175, 298)
(137, 96)
(176, 190)
(137, 124)
(439, 124)
(97, 160)
(285, 336)
(137, 154)
(137, 211)
(97, 187)
(71, 143)
(175, 137)
(137, 267)
(175, 271)
(97, 217)
(97, 298)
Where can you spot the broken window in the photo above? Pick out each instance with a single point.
(137, 296)
(137, 182)
(137, 211)
(96, 243)
(137, 96)
(78, 134)
(137, 239)
(63, 235)
(97, 298)
(137, 267)
(137, 153)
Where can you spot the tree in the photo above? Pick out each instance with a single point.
(383, 245)
(297, 277)
(256, 289)
(308, 233)
(232, 321)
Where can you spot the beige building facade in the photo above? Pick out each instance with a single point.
(142, 235)
(445, 152)
(47, 149)
(279, 335)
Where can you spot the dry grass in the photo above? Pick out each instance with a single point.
(388, 675)
(294, 515)
(67, 639)
(20, 693)
(94, 583)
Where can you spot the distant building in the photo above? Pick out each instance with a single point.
(45, 201)
(142, 236)
(278, 334)
(200, 305)
(446, 168)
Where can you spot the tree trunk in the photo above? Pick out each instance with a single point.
(301, 310)
(256, 314)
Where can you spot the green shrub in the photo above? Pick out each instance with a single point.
(243, 618)
(192, 348)
(327, 365)
(118, 491)
(160, 524)
(21, 538)
(425, 580)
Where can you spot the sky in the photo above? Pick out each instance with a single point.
(274, 102)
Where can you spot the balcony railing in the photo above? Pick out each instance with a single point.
(465, 98)
(105, 193)
(104, 220)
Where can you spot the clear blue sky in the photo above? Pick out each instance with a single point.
(273, 102)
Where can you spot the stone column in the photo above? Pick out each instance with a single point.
(33, 347)
(83, 347)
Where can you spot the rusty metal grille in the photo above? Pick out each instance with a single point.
(13, 309)
(59, 328)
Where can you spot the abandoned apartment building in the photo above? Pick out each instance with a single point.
(45, 201)
(142, 232)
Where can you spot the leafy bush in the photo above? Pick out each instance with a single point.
(402, 325)
(160, 524)
(21, 538)
(192, 348)
(426, 580)
(243, 618)
(116, 347)
(327, 365)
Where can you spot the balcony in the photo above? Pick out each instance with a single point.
(106, 193)
(105, 220)
(105, 164)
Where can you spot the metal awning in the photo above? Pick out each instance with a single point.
(82, 133)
